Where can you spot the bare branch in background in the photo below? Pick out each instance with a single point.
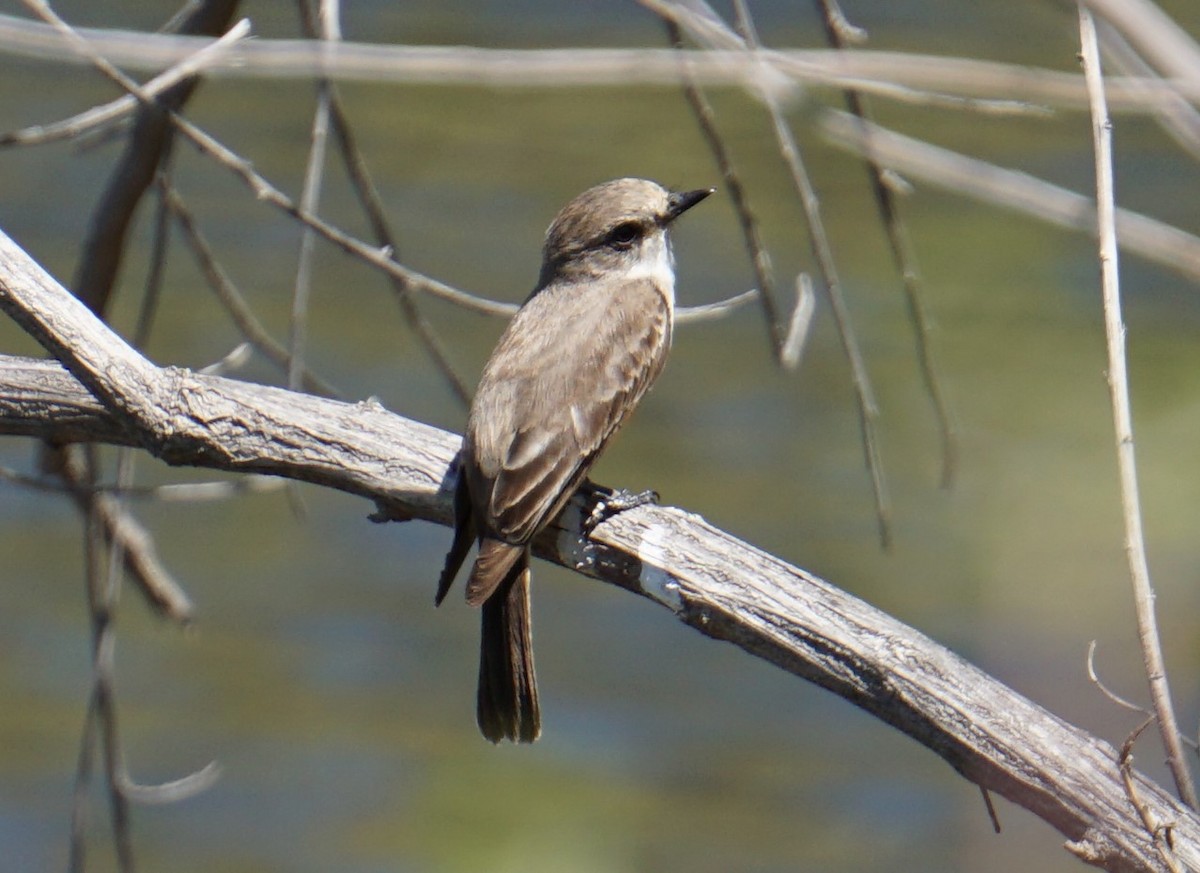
(802, 317)
(113, 539)
(141, 558)
(264, 190)
(1176, 116)
(232, 300)
(932, 80)
(310, 198)
(99, 117)
(822, 252)
(1157, 829)
(1118, 384)
(838, 33)
(372, 205)
(714, 311)
(1165, 43)
(156, 270)
(1094, 678)
(1152, 239)
(760, 261)
(180, 492)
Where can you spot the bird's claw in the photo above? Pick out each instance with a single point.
(615, 503)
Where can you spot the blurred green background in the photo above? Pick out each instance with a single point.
(339, 703)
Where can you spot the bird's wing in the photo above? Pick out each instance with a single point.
(609, 369)
(464, 533)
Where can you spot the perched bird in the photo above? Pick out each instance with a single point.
(567, 372)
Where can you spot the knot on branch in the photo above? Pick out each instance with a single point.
(180, 419)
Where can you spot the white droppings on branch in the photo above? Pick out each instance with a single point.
(656, 582)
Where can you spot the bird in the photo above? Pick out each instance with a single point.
(565, 375)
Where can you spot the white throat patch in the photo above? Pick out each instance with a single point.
(656, 263)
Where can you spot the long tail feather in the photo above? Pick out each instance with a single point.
(507, 705)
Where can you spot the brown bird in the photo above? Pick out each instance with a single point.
(567, 372)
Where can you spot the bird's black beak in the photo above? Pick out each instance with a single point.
(679, 202)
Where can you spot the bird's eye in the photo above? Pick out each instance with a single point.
(624, 234)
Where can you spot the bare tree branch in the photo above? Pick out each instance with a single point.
(1118, 385)
(231, 298)
(822, 252)
(1152, 239)
(760, 260)
(116, 110)
(839, 33)
(1160, 39)
(372, 206)
(947, 82)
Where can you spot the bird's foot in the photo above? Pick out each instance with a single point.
(614, 503)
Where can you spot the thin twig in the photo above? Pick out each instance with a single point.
(1118, 383)
(955, 83)
(822, 251)
(230, 362)
(759, 259)
(1158, 831)
(153, 579)
(231, 298)
(110, 113)
(173, 791)
(839, 32)
(158, 264)
(265, 191)
(310, 198)
(381, 258)
(141, 335)
(1152, 239)
(802, 318)
(991, 809)
(1176, 116)
(179, 19)
(1094, 677)
(368, 196)
(176, 492)
(716, 310)
(1160, 39)
(99, 724)
(372, 205)
(77, 843)
(104, 624)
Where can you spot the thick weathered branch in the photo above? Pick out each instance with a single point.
(723, 587)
